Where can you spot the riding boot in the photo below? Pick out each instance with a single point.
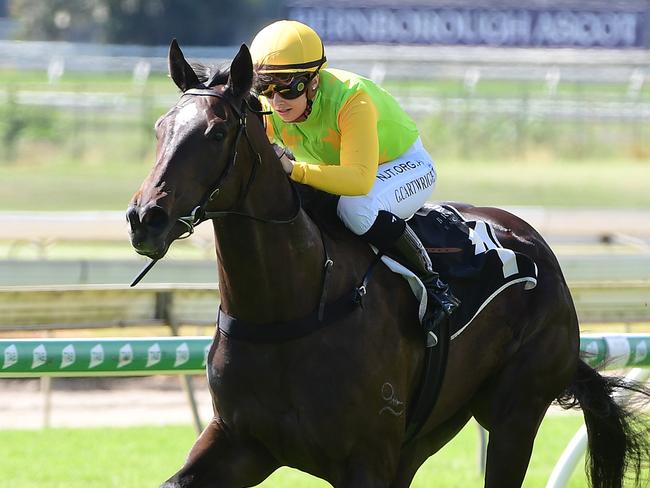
(391, 234)
(441, 303)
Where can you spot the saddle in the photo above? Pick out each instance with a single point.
(467, 254)
(471, 259)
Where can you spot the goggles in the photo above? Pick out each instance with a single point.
(289, 89)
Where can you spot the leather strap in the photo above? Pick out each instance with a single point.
(276, 333)
(433, 373)
(325, 314)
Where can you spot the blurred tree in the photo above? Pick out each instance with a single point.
(147, 22)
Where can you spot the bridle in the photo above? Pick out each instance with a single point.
(199, 213)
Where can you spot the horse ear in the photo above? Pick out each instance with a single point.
(180, 70)
(241, 72)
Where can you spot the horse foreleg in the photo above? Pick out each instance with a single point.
(217, 460)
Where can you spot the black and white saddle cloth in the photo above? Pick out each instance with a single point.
(470, 258)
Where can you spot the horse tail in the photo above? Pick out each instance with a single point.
(618, 439)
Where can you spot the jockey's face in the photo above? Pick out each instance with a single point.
(289, 110)
(288, 93)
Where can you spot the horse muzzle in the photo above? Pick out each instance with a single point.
(149, 228)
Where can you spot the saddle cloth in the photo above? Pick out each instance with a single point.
(469, 257)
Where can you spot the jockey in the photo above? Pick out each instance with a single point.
(349, 138)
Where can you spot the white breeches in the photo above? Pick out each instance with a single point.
(401, 187)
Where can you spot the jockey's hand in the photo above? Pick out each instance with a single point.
(287, 164)
(285, 157)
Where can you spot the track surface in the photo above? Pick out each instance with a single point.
(83, 402)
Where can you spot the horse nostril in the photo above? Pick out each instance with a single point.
(132, 216)
(155, 218)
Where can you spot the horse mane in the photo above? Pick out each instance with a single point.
(214, 75)
(211, 75)
(321, 208)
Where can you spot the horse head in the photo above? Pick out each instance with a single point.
(197, 141)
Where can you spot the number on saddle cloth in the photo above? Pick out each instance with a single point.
(470, 258)
(450, 241)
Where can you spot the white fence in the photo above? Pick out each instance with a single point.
(83, 307)
(417, 62)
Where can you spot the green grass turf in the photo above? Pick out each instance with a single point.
(144, 456)
(618, 183)
(78, 81)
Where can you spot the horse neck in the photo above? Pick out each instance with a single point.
(268, 272)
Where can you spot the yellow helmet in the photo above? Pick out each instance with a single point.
(287, 46)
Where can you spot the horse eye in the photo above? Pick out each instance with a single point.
(215, 133)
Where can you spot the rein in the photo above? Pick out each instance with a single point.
(199, 213)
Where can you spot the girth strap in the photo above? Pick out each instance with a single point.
(324, 315)
(275, 333)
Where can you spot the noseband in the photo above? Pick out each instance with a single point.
(200, 214)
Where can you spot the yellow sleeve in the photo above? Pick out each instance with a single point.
(359, 153)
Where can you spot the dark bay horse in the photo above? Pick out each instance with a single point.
(334, 403)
